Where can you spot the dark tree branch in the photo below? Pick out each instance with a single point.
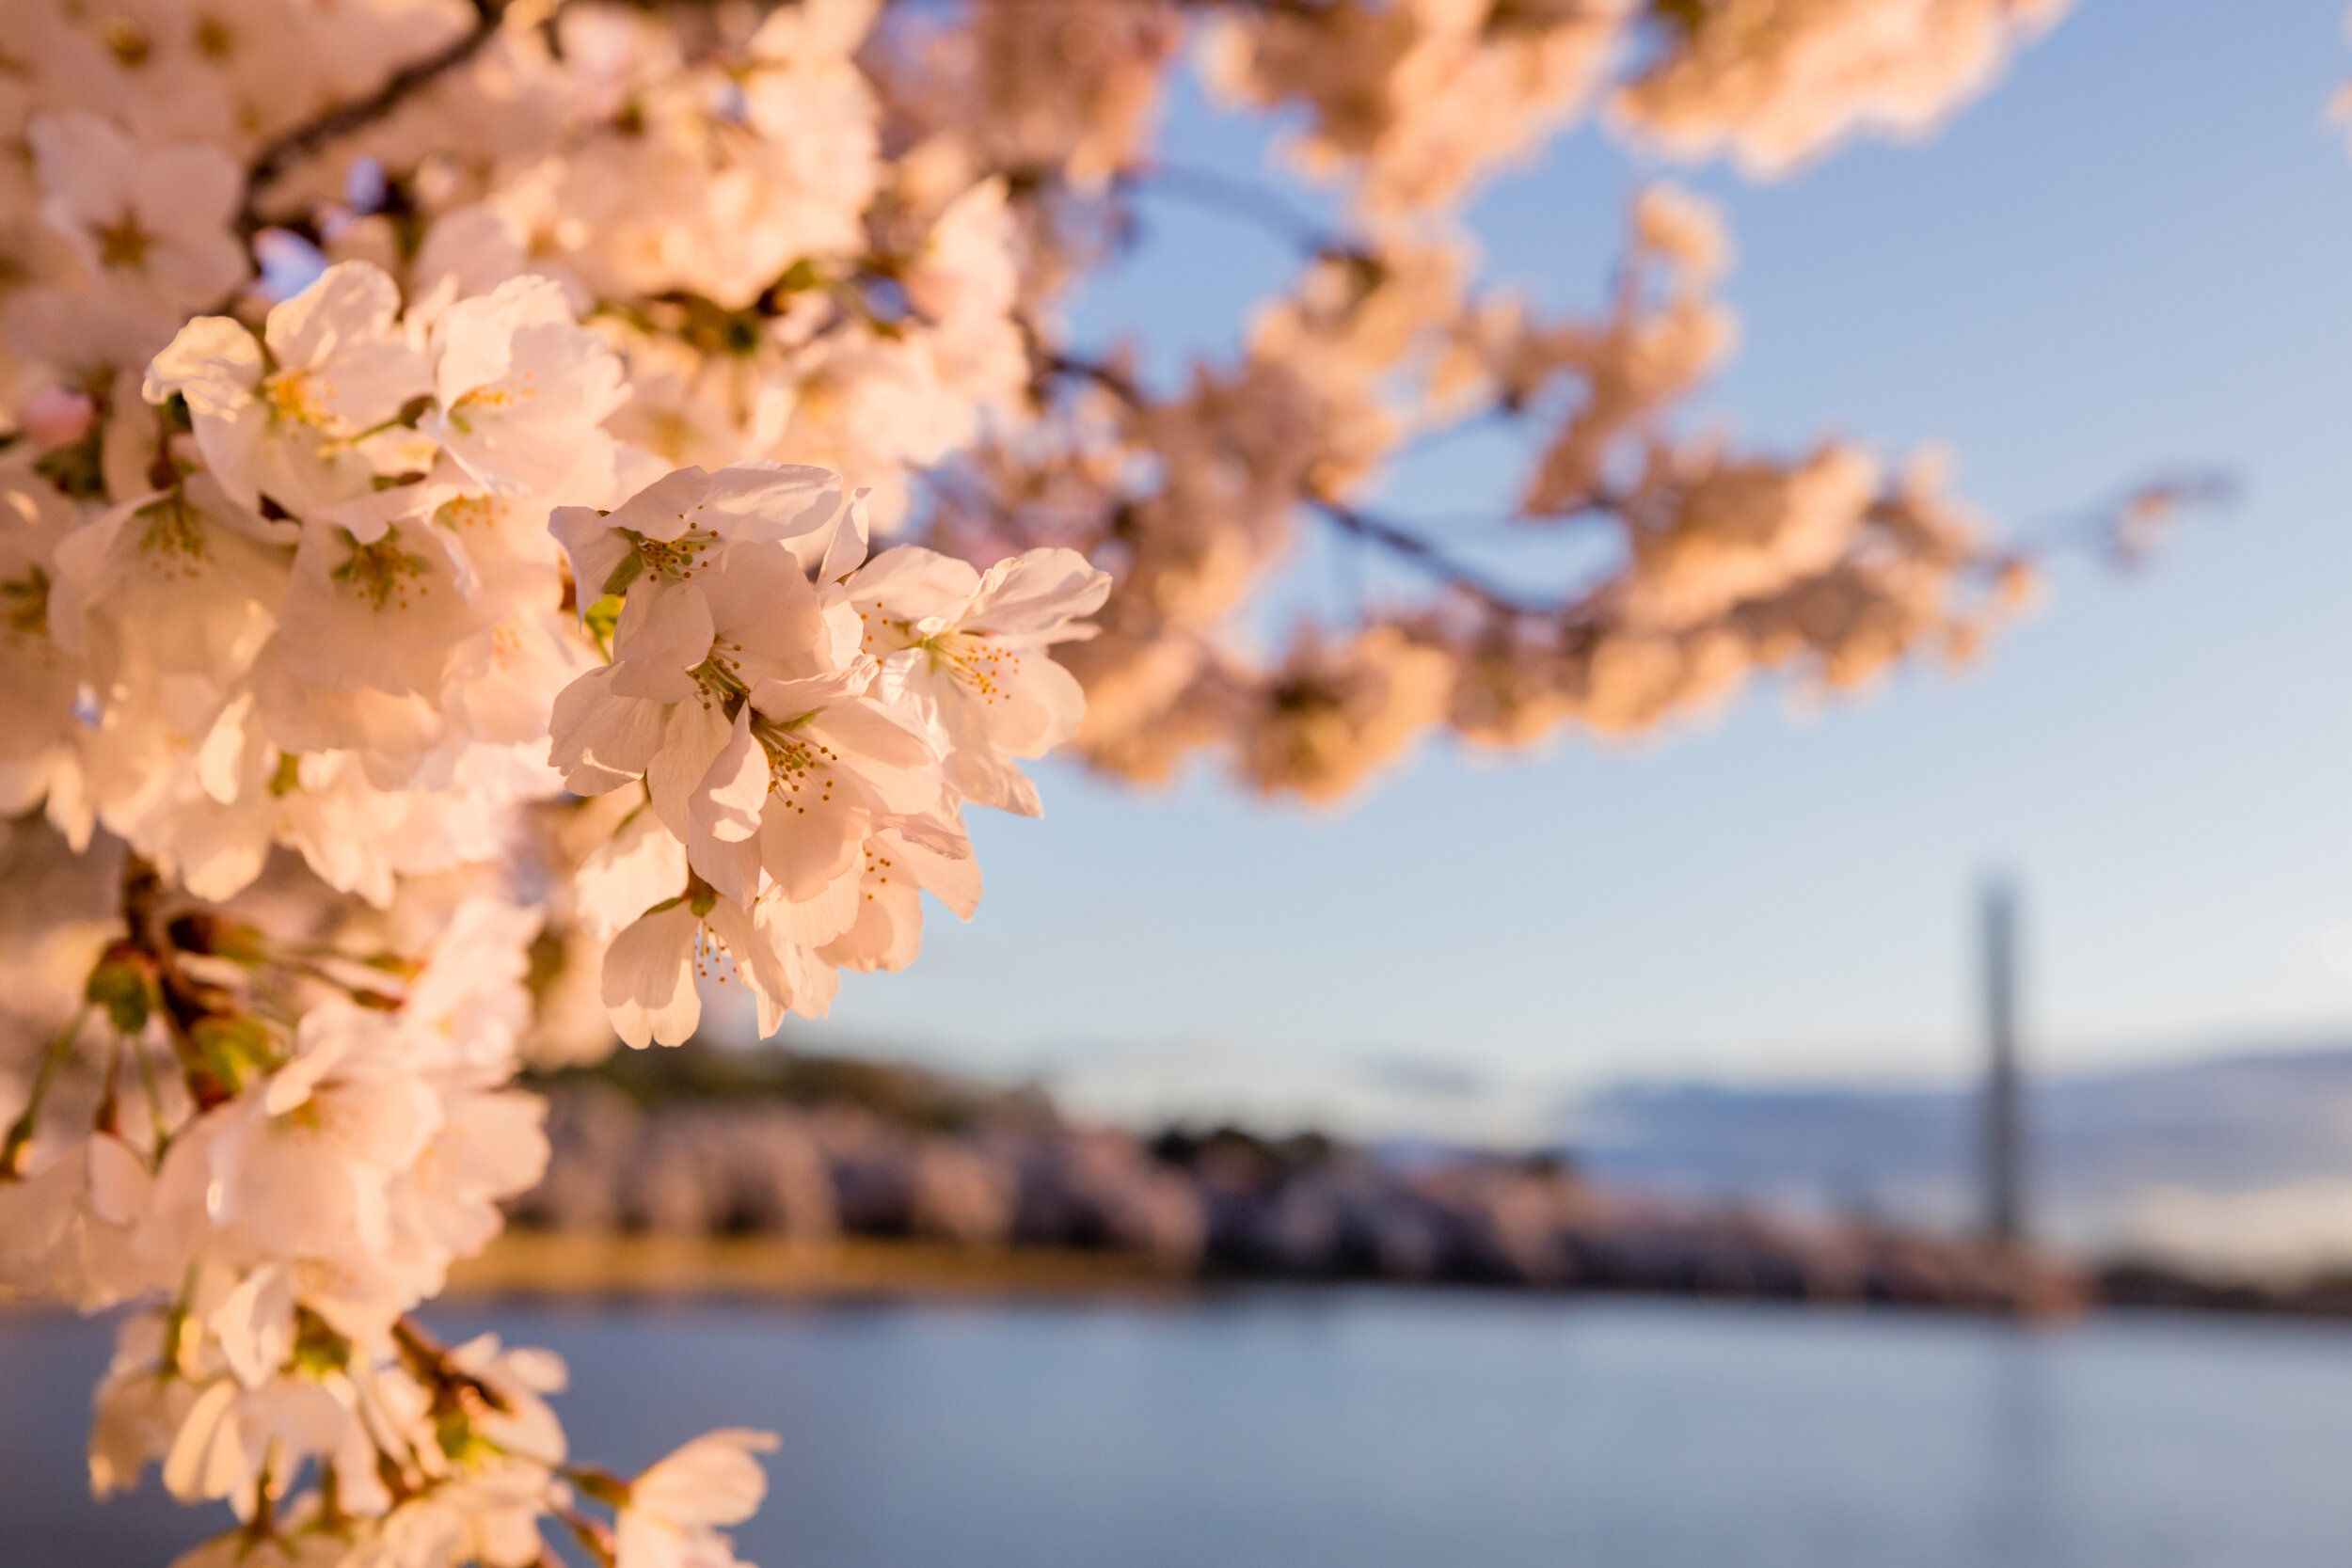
(1052, 364)
(1240, 199)
(2126, 528)
(1430, 559)
(291, 148)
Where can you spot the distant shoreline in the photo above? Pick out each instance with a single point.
(703, 1171)
(625, 1265)
(550, 1264)
(539, 1262)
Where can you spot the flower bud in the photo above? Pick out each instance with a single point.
(123, 984)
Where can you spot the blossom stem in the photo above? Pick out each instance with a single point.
(429, 1361)
(107, 1119)
(592, 1535)
(367, 996)
(598, 1483)
(20, 1134)
(152, 1090)
(379, 427)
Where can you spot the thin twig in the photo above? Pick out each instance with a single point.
(1431, 558)
(2125, 527)
(1102, 372)
(1397, 538)
(1223, 193)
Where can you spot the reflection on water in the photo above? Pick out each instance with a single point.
(1412, 1430)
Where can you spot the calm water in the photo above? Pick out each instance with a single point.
(1398, 1431)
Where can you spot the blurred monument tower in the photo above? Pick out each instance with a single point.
(2004, 1108)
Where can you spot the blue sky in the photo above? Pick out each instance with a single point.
(2135, 253)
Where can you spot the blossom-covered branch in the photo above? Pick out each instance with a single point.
(512, 516)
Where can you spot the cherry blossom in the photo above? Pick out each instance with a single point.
(967, 649)
(151, 221)
(287, 416)
(668, 1519)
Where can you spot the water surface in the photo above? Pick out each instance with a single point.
(1396, 1430)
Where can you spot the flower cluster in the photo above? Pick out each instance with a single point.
(1775, 82)
(276, 1196)
(297, 657)
(803, 725)
(303, 578)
